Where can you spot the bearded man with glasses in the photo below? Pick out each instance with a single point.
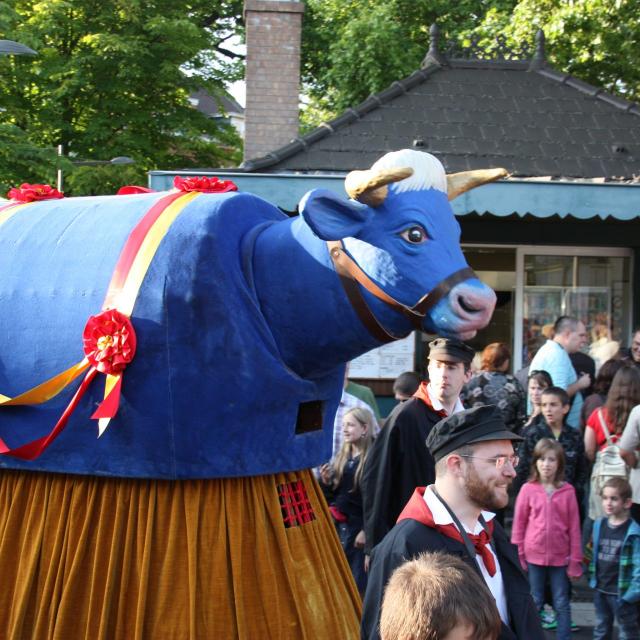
(475, 464)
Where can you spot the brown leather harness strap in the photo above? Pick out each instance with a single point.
(365, 314)
(442, 289)
(351, 275)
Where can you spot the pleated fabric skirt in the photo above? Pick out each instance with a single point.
(84, 557)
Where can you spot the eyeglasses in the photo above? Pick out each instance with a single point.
(498, 461)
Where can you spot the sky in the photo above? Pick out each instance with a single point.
(238, 91)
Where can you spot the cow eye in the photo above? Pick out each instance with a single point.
(414, 235)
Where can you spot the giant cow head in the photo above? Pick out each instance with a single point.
(399, 238)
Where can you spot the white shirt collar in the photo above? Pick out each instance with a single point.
(442, 516)
(437, 405)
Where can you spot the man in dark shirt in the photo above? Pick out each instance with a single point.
(474, 468)
(399, 460)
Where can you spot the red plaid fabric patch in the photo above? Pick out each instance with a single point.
(295, 505)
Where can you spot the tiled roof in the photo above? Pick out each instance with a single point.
(223, 104)
(521, 115)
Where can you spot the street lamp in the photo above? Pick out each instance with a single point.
(15, 48)
(91, 163)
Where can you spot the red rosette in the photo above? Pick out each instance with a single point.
(132, 189)
(204, 184)
(109, 341)
(33, 192)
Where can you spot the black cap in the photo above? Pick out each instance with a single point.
(450, 350)
(473, 425)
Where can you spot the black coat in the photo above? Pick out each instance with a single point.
(409, 538)
(397, 463)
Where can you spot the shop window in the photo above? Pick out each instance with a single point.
(594, 289)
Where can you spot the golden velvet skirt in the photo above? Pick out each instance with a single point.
(114, 558)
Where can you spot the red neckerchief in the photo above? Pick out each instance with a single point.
(417, 509)
(423, 394)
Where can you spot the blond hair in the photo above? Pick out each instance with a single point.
(365, 418)
(429, 596)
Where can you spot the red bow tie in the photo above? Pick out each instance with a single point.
(479, 541)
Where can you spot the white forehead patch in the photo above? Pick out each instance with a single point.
(376, 263)
(428, 172)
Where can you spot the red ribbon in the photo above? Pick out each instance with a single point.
(33, 449)
(117, 347)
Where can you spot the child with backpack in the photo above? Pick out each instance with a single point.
(615, 564)
(603, 431)
(546, 530)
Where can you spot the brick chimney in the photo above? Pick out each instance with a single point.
(273, 30)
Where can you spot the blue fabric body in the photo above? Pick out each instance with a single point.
(207, 394)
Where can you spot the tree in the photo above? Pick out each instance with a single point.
(113, 78)
(598, 41)
(352, 49)
(22, 161)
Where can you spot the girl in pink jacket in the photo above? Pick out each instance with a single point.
(546, 529)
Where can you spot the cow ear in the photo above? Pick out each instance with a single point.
(332, 217)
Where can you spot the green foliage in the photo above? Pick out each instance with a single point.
(598, 41)
(352, 48)
(113, 78)
(22, 161)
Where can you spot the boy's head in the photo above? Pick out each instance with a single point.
(405, 385)
(554, 405)
(616, 497)
(438, 597)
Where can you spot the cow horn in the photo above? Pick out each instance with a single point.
(370, 187)
(458, 183)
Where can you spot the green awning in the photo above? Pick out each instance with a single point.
(541, 199)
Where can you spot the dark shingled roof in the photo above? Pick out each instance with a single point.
(223, 104)
(521, 115)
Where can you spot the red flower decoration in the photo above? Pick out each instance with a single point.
(109, 341)
(204, 184)
(32, 192)
(130, 189)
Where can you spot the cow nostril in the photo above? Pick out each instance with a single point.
(466, 307)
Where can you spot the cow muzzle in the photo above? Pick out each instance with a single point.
(467, 309)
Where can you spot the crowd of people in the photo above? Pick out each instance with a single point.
(465, 453)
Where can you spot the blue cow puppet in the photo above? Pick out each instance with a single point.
(195, 515)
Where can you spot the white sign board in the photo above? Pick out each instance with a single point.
(388, 361)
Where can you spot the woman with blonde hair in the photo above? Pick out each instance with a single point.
(341, 479)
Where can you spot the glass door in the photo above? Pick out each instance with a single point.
(592, 284)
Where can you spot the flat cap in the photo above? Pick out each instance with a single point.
(466, 427)
(450, 350)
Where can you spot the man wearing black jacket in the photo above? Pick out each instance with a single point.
(475, 464)
(399, 460)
